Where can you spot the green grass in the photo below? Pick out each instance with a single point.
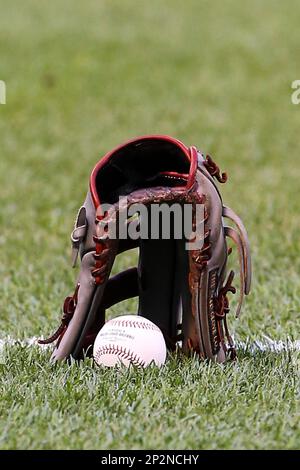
(81, 78)
(187, 404)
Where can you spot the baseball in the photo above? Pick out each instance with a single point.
(129, 339)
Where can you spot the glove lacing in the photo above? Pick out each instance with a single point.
(69, 307)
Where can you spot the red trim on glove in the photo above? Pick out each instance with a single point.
(190, 153)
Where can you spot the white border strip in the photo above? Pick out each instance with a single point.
(268, 345)
(9, 341)
(265, 344)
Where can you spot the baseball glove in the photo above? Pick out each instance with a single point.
(181, 282)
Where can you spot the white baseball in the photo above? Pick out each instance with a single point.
(129, 339)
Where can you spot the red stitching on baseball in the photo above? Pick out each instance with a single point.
(134, 324)
(121, 352)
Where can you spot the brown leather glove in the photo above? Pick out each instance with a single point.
(183, 291)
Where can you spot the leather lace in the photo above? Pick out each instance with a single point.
(214, 170)
(99, 272)
(203, 257)
(69, 307)
(222, 310)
